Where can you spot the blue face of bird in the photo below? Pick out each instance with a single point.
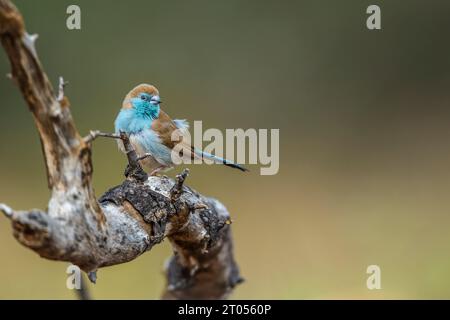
(146, 105)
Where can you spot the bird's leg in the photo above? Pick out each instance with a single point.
(158, 169)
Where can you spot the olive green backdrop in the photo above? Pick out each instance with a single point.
(364, 125)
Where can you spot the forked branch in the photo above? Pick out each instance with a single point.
(128, 219)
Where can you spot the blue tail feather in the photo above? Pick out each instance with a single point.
(217, 159)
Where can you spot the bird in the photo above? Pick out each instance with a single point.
(150, 131)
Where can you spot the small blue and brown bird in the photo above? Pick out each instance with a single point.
(150, 131)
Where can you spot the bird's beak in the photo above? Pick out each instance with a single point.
(155, 100)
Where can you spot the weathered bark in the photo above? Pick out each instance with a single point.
(129, 219)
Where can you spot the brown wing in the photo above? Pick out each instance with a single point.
(164, 127)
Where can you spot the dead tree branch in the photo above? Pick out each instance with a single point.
(83, 292)
(128, 219)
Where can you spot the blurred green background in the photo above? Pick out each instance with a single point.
(364, 125)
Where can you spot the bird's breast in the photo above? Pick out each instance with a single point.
(129, 122)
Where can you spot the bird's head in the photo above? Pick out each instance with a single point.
(144, 100)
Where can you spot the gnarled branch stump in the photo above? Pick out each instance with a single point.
(128, 219)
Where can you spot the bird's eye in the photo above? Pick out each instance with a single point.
(143, 97)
